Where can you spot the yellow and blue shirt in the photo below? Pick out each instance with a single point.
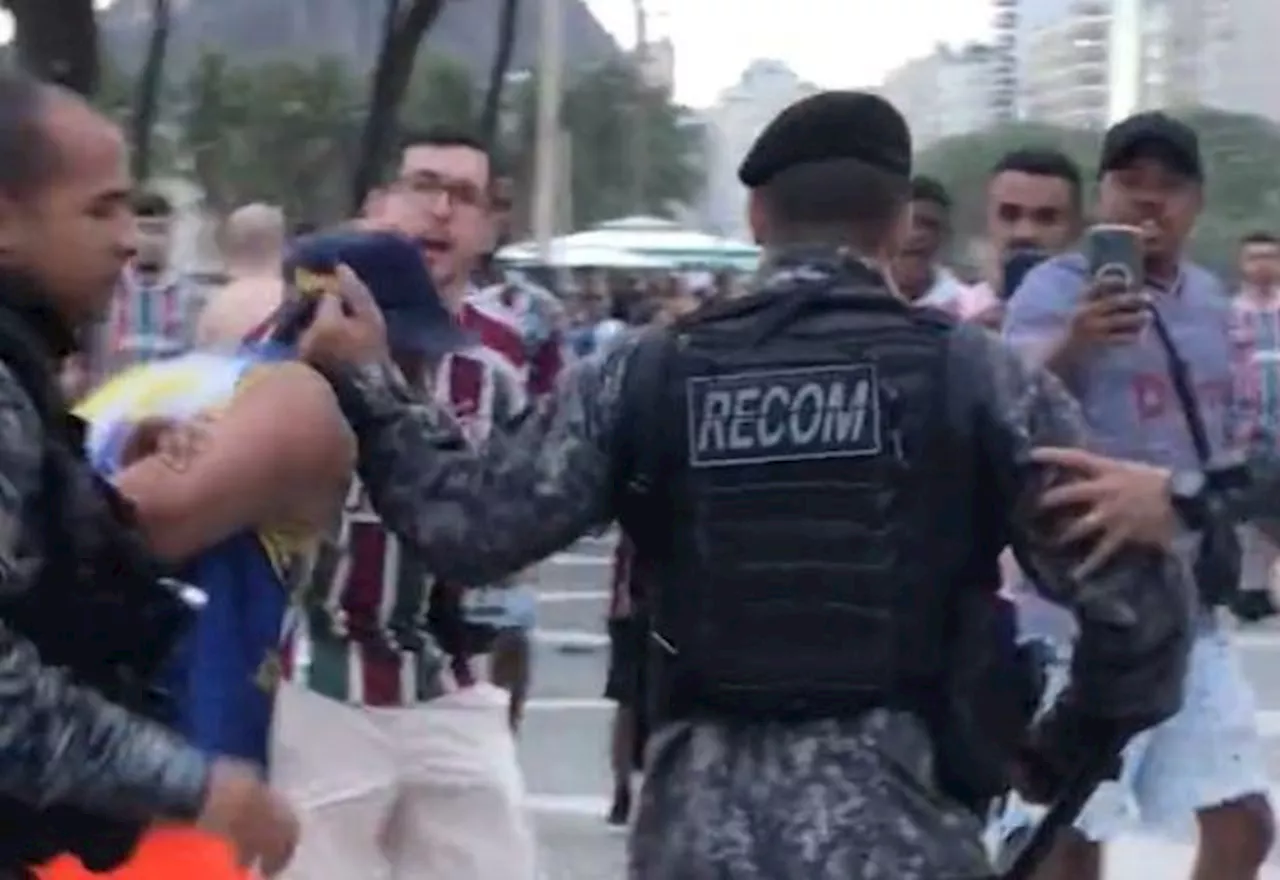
(225, 674)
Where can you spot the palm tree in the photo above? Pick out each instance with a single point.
(503, 51)
(405, 23)
(150, 81)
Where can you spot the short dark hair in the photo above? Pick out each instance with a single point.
(929, 189)
(1043, 162)
(841, 199)
(28, 158)
(443, 137)
(150, 203)
(450, 137)
(1260, 236)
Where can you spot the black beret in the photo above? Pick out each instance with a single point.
(830, 126)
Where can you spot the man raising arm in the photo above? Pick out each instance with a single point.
(479, 517)
(279, 453)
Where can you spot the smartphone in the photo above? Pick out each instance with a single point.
(1115, 253)
(1017, 263)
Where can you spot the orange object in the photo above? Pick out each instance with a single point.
(163, 854)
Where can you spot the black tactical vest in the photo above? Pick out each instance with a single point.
(100, 607)
(816, 505)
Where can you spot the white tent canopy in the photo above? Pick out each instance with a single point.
(567, 256)
(668, 244)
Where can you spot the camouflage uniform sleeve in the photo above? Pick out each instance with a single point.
(61, 744)
(477, 516)
(1136, 614)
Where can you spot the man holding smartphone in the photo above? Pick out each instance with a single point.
(1093, 328)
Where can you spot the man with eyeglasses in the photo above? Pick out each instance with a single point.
(436, 790)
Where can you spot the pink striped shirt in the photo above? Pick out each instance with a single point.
(1255, 329)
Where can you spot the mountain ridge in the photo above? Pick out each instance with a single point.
(254, 30)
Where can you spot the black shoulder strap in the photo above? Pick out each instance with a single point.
(1180, 375)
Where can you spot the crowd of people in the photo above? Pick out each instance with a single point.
(1207, 762)
(381, 665)
(387, 711)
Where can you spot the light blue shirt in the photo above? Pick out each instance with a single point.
(1126, 390)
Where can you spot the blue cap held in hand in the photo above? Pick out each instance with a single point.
(391, 266)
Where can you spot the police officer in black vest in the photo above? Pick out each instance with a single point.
(818, 479)
(86, 761)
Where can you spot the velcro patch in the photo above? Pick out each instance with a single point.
(775, 416)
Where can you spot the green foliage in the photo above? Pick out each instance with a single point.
(116, 96)
(282, 131)
(286, 131)
(441, 94)
(631, 154)
(963, 164)
(1241, 155)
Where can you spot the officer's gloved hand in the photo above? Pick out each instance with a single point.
(1060, 744)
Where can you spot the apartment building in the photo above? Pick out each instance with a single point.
(951, 91)
(1176, 53)
(1242, 56)
(1066, 78)
(730, 127)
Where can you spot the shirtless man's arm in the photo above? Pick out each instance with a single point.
(280, 452)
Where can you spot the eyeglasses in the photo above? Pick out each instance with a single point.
(461, 193)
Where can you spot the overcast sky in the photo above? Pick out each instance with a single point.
(833, 43)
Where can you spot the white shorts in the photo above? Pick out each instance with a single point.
(1207, 755)
(430, 792)
(514, 607)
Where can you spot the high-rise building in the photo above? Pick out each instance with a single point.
(1177, 53)
(950, 91)
(1066, 79)
(731, 125)
(1004, 67)
(1240, 52)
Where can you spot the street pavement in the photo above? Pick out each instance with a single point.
(565, 741)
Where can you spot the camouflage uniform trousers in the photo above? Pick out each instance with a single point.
(826, 800)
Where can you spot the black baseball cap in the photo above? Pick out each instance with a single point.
(391, 266)
(1156, 135)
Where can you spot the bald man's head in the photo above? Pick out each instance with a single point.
(254, 238)
(65, 218)
(28, 155)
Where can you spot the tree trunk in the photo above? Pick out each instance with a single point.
(57, 40)
(147, 101)
(406, 23)
(505, 48)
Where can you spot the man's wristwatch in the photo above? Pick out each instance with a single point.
(1188, 493)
